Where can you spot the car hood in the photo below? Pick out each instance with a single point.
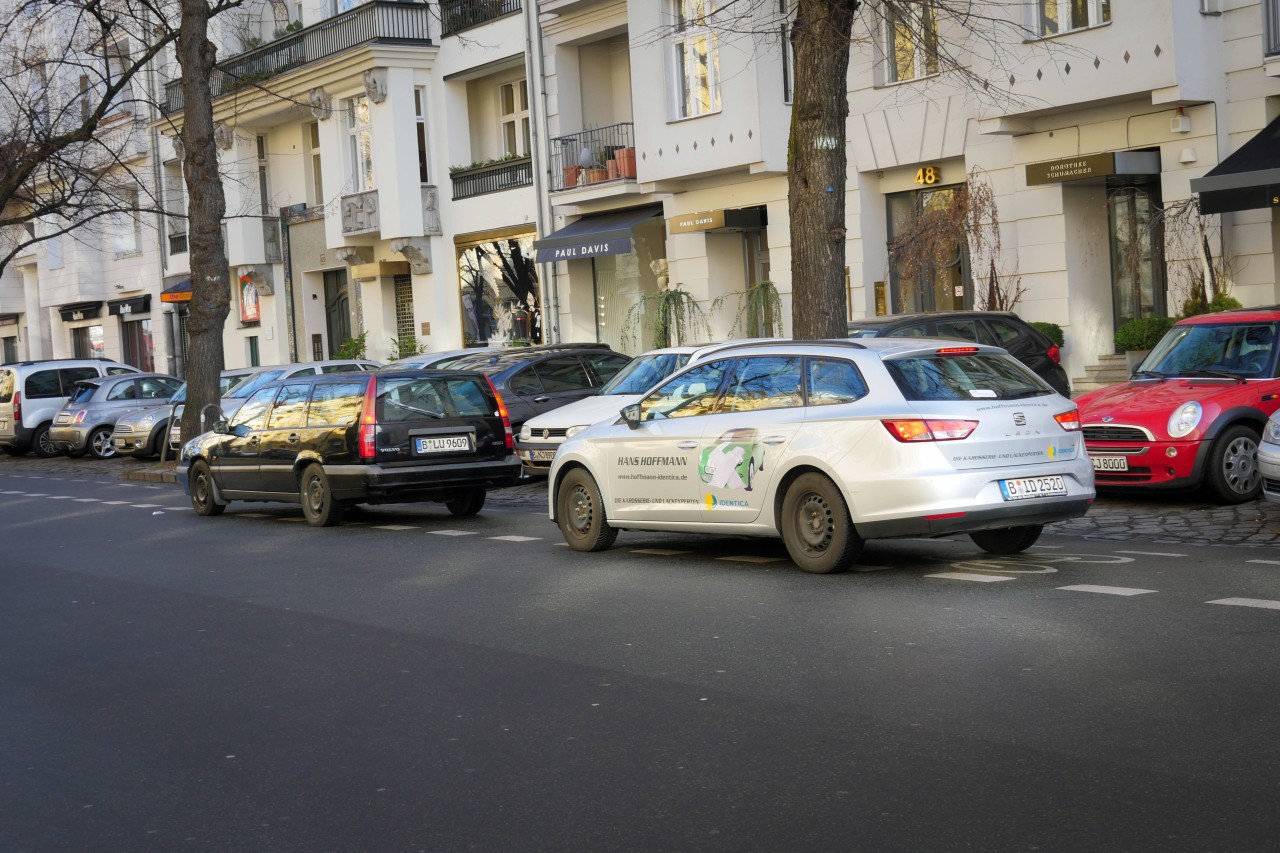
(1155, 400)
(587, 411)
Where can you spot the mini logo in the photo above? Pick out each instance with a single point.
(1106, 419)
(1019, 419)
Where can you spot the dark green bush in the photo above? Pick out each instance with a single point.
(1143, 333)
(1052, 331)
(1221, 302)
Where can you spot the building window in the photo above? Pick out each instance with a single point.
(254, 358)
(1060, 16)
(118, 64)
(912, 41)
(928, 253)
(361, 142)
(10, 349)
(38, 93)
(420, 114)
(513, 104)
(139, 348)
(500, 301)
(175, 206)
(126, 229)
(314, 174)
(695, 62)
(86, 342)
(264, 194)
(788, 55)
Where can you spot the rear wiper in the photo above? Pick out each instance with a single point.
(426, 412)
(1149, 373)
(1217, 374)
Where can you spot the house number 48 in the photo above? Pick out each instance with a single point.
(929, 175)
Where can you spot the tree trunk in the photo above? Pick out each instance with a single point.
(210, 285)
(816, 163)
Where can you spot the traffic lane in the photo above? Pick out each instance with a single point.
(142, 718)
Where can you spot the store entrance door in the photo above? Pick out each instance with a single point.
(337, 307)
(1137, 257)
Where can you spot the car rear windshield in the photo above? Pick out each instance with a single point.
(407, 398)
(980, 376)
(7, 381)
(643, 372)
(81, 393)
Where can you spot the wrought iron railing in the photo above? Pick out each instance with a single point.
(177, 244)
(481, 180)
(458, 15)
(378, 20)
(594, 156)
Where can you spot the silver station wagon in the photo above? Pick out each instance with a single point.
(827, 444)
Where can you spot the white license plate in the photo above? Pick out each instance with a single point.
(1110, 463)
(4, 426)
(442, 444)
(539, 455)
(1032, 487)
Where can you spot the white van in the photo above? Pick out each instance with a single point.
(32, 392)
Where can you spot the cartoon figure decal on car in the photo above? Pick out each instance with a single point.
(732, 462)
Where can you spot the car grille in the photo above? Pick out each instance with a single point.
(1115, 433)
(122, 429)
(549, 433)
(1135, 474)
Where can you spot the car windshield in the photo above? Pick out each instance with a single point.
(244, 389)
(643, 372)
(980, 376)
(1243, 350)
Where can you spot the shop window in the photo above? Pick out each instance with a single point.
(912, 46)
(1061, 16)
(695, 62)
(928, 253)
(138, 345)
(87, 342)
(499, 295)
(10, 349)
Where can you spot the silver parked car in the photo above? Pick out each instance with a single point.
(86, 423)
(1269, 459)
(826, 444)
(142, 433)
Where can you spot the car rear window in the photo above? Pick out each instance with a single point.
(336, 403)
(7, 379)
(979, 376)
(81, 393)
(404, 398)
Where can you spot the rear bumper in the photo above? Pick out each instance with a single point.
(17, 436)
(1041, 511)
(377, 483)
(69, 438)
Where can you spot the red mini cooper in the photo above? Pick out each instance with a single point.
(1192, 413)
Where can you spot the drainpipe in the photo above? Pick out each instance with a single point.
(541, 164)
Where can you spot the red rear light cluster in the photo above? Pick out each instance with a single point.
(508, 438)
(17, 407)
(929, 430)
(369, 421)
(1055, 354)
(1070, 421)
(956, 351)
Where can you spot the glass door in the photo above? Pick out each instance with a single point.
(1137, 257)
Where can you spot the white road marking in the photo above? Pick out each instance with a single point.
(968, 576)
(86, 500)
(753, 558)
(394, 527)
(12, 493)
(114, 503)
(1248, 602)
(1106, 590)
(1266, 562)
(58, 497)
(514, 538)
(454, 532)
(178, 509)
(658, 552)
(145, 506)
(37, 495)
(1151, 553)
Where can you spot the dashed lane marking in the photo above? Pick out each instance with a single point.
(752, 558)
(969, 576)
(1248, 602)
(86, 500)
(1265, 562)
(1151, 553)
(58, 497)
(1106, 590)
(514, 538)
(178, 509)
(114, 503)
(145, 506)
(454, 532)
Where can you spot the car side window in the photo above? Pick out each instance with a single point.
(336, 403)
(565, 373)
(71, 375)
(42, 383)
(763, 382)
(1005, 331)
(123, 391)
(833, 381)
(119, 371)
(291, 407)
(340, 368)
(525, 382)
(605, 365)
(916, 331)
(964, 330)
(253, 414)
(693, 392)
(156, 389)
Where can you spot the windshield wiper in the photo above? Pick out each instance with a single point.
(1149, 373)
(1217, 374)
(426, 412)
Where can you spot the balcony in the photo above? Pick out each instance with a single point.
(360, 213)
(375, 21)
(482, 180)
(597, 156)
(458, 15)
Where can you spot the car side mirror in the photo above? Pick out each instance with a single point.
(221, 428)
(631, 415)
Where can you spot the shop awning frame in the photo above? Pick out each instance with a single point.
(1247, 179)
(177, 292)
(593, 236)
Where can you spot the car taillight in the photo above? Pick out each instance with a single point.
(508, 438)
(79, 418)
(929, 430)
(17, 407)
(369, 422)
(956, 351)
(1070, 421)
(1055, 354)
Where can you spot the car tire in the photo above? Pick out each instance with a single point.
(466, 502)
(100, 444)
(580, 513)
(1231, 471)
(316, 494)
(816, 526)
(203, 500)
(1007, 540)
(41, 444)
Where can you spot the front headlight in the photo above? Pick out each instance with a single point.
(146, 421)
(525, 432)
(1271, 432)
(574, 430)
(1184, 419)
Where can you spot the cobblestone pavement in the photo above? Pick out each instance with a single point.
(1153, 518)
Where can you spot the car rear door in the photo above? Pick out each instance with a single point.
(437, 419)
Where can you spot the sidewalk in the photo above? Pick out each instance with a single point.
(1154, 519)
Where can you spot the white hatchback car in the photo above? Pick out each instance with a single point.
(1269, 459)
(829, 443)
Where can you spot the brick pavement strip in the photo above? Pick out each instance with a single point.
(1151, 518)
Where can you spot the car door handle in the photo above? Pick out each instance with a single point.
(253, 439)
(774, 439)
(687, 445)
(293, 437)
(541, 399)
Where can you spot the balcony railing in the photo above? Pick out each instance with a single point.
(375, 21)
(595, 156)
(1271, 14)
(481, 180)
(458, 15)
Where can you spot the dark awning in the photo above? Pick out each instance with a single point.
(80, 311)
(134, 305)
(1245, 180)
(178, 292)
(590, 236)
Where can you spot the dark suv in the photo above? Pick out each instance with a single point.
(1005, 329)
(334, 440)
(533, 380)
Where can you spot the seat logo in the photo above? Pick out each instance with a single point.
(1019, 419)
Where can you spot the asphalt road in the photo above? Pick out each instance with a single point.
(411, 681)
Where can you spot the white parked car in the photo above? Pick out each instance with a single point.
(829, 443)
(541, 436)
(1269, 459)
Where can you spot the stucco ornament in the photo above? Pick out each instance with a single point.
(223, 136)
(321, 103)
(375, 84)
(417, 251)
